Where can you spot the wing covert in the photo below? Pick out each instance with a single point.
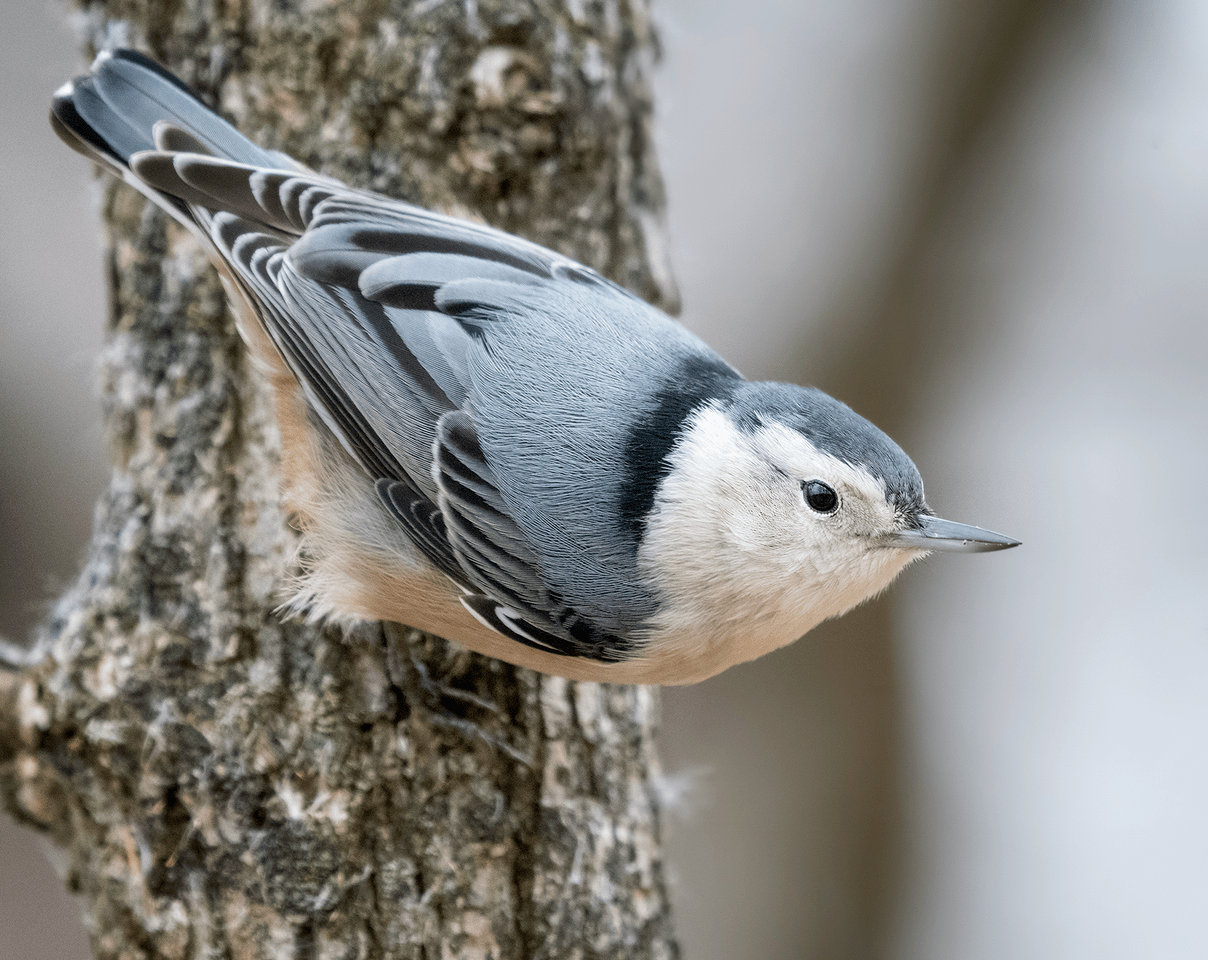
(513, 596)
(378, 308)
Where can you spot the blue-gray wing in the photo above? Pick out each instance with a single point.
(515, 598)
(377, 306)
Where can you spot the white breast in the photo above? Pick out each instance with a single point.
(744, 566)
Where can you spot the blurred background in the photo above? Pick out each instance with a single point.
(984, 224)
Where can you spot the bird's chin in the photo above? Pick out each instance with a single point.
(862, 578)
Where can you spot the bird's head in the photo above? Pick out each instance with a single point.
(782, 508)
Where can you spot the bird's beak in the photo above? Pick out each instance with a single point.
(932, 533)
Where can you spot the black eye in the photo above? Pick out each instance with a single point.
(819, 496)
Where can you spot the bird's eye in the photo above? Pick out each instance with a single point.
(819, 496)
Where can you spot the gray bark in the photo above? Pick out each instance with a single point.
(230, 785)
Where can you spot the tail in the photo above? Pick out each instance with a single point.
(129, 104)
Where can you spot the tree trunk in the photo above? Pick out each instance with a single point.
(230, 785)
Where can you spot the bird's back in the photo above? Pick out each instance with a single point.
(577, 441)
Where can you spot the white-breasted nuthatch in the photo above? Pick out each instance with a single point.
(493, 443)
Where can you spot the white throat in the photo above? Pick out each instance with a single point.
(742, 565)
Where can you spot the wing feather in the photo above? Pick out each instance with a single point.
(377, 307)
(402, 326)
(499, 558)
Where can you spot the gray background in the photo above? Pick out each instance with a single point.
(985, 224)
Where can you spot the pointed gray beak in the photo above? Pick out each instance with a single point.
(932, 533)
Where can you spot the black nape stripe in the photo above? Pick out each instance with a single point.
(696, 382)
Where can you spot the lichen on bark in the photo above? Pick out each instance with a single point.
(228, 784)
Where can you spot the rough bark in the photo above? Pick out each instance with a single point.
(230, 785)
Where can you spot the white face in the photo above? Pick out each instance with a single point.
(738, 547)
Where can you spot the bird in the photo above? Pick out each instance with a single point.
(488, 441)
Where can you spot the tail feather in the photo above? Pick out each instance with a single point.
(86, 123)
(74, 129)
(145, 125)
(127, 94)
